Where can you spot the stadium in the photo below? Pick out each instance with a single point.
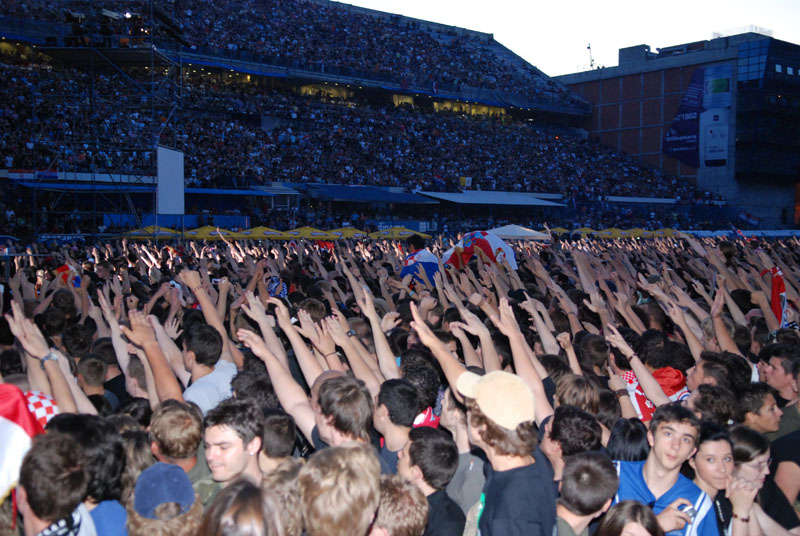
(171, 113)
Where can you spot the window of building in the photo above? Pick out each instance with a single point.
(778, 68)
(789, 70)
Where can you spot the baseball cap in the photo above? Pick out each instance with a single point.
(501, 396)
(162, 483)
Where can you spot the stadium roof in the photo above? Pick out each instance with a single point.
(477, 197)
(365, 194)
(137, 188)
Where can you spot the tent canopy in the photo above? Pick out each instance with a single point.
(397, 233)
(261, 233)
(349, 232)
(518, 232)
(309, 233)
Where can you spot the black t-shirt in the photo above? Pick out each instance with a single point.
(776, 506)
(117, 386)
(519, 502)
(785, 449)
(445, 517)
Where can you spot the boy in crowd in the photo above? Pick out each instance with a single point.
(232, 441)
(340, 490)
(176, 431)
(518, 497)
(681, 507)
(403, 510)
(588, 485)
(429, 460)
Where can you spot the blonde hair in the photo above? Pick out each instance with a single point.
(340, 490)
(282, 483)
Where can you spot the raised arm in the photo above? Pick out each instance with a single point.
(291, 396)
(142, 335)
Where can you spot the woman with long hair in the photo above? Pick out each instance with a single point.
(629, 518)
(713, 468)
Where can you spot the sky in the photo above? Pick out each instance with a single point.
(554, 35)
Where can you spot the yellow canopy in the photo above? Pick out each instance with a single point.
(309, 233)
(210, 233)
(584, 230)
(152, 231)
(348, 232)
(558, 230)
(397, 233)
(611, 232)
(262, 233)
(638, 233)
(664, 232)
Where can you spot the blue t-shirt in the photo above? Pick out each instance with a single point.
(632, 486)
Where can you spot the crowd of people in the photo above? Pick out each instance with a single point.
(328, 37)
(403, 388)
(52, 123)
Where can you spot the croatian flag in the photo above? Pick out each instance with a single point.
(423, 258)
(488, 245)
(17, 429)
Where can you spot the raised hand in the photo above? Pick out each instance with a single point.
(141, 332)
(256, 344)
(26, 332)
(390, 321)
(172, 328)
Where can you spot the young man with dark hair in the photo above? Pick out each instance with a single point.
(570, 431)
(53, 483)
(588, 485)
(398, 405)
(211, 376)
(711, 369)
(657, 481)
(518, 499)
(790, 420)
(779, 371)
(176, 431)
(759, 408)
(233, 440)
(277, 443)
(105, 452)
(429, 460)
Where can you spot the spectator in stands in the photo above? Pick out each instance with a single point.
(233, 432)
(500, 413)
(53, 483)
(587, 487)
(403, 509)
(176, 430)
(340, 490)
(657, 481)
(429, 460)
(759, 408)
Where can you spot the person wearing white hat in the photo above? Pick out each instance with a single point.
(518, 497)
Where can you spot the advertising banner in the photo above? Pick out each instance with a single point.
(699, 133)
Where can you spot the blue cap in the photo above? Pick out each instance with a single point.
(162, 483)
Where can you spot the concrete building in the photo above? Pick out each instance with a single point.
(724, 113)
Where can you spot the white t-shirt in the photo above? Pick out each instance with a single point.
(212, 388)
